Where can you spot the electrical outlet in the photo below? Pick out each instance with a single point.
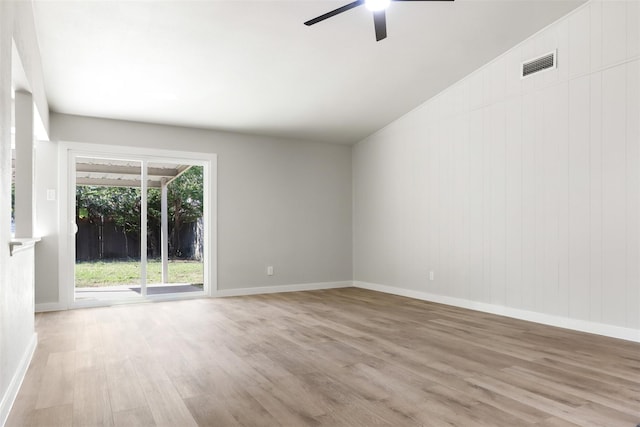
(270, 270)
(431, 275)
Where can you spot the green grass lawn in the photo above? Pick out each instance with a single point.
(113, 273)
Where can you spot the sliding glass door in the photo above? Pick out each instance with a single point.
(175, 229)
(108, 218)
(140, 228)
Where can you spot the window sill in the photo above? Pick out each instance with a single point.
(19, 245)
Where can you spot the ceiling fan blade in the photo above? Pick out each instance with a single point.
(334, 12)
(380, 22)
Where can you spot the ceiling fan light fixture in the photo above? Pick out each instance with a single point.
(377, 5)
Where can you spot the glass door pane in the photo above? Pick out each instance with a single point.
(175, 228)
(108, 237)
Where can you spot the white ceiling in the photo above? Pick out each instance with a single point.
(253, 67)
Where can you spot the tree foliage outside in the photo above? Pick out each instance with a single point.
(184, 205)
(122, 206)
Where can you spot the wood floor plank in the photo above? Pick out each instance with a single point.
(531, 398)
(247, 411)
(57, 382)
(198, 383)
(595, 415)
(89, 360)
(91, 403)
(287, 412)
(125, 390)
(164, 401)
(209, 410)
(555, 422)
(139, 417)
(617, 398)
(341, 357)
(58, 416)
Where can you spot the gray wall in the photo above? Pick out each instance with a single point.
(46, 271)
(517, 193)
(280, 202)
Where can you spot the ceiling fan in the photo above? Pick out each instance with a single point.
(378, 8)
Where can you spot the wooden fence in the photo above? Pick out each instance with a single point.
(107, 241)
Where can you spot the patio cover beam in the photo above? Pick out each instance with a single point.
(103, 182)
(127, 170)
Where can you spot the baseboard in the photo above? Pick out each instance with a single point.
(283, 288)
(531, 316)
(49, 306)
(54, 306)
(16, 381)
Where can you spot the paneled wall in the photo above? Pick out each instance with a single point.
(519, 193)
(17, 334)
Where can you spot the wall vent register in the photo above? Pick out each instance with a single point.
(541, 63)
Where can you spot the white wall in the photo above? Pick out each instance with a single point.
(517, 193)
(280, 202)
(47, 224)
(17, 336)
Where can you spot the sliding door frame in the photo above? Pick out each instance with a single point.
(68, 152)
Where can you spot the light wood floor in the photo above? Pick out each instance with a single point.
(344, 357)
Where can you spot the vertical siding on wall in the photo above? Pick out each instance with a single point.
(561, 131)
(476, 223)
(633, 193)
(614, 32)
(595, 183)
(545, 229)
(512, 74)
(579, 198)
(513, 202)
(594, 36)
(487, 220)
(633, 28)
(614, 209)
(433, 208)
(531, 186)
(444, 201)
(497, 202)
(579, 53)
(465, 185)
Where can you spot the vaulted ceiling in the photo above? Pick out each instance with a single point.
(253, 67)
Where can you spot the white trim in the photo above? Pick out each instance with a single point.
(19, 245)
(282, 288)
(144, 214)
(16, 382)
(210, 215)
(50, 306)
(531, 316)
